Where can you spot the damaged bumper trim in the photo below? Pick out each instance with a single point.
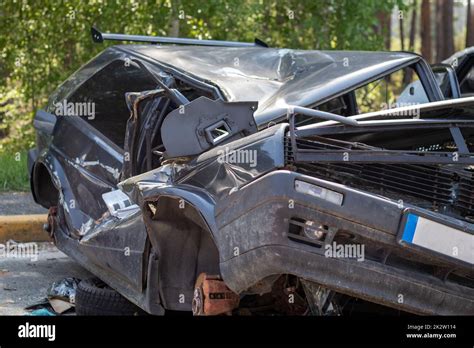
(383, 287)
(256, 222)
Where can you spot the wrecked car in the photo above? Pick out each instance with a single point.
(221, 177)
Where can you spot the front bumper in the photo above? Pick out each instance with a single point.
(255, 241)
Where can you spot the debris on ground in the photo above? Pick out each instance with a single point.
(64, 289)
(42, 312)
(60, 298)
(32, 279)
(62, 294)
(41, 308)
(37, 305)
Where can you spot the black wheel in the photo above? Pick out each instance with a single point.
(94, 297)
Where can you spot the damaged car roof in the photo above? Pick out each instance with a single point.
(274, 77)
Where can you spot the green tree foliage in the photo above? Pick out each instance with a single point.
(44, 41)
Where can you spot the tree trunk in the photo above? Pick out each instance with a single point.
(174, 19)
(388, 33)
(425, 32)
(448, 28)
(439, 31)
(385, 27)
(470, 25)
(411, 43)
(402, 34)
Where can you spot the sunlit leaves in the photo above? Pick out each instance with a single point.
(43, 41)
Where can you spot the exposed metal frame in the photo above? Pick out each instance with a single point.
(323, 115)
(462, 156)
(452, 79)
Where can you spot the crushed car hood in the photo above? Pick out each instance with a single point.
(275, 77)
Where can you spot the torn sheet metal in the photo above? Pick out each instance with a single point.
(142, 106)
(64, 289)
(270, 75)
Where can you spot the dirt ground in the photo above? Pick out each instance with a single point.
(25, 280)
(19, 203)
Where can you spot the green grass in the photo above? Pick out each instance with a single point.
(13, 172)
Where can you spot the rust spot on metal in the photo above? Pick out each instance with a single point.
(49, 227)
(213, 297)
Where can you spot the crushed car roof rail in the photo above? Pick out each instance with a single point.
(98, 36)
(323, 115)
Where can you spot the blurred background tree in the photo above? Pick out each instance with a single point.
(43, 41)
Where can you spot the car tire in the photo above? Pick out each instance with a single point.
(94, 298)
